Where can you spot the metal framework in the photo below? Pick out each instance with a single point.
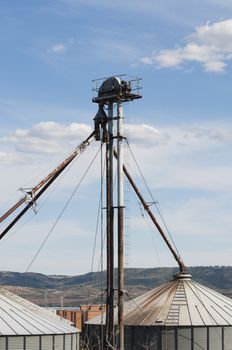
(109, 92)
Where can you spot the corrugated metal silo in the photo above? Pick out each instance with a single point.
(178, 315)
(26, 326)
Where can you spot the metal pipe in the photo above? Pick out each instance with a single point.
(29, 205)
(61, 167)
(149, 212)
(120, 228)
(12, 209)
(52, 179)
(110, 231)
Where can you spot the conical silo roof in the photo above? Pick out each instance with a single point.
(180, 302)
(21, 317)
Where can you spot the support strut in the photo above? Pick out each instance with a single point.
(149, 212)
(49, 180)
(58, 170)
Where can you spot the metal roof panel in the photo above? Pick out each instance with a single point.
(180, 302)
(21, 317)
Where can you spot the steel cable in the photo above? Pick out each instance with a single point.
(152, 198)
(62, 211)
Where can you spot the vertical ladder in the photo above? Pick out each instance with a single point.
(127, 189)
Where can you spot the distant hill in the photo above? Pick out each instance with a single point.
(75, 290)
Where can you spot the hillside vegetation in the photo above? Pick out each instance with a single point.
(56, 290)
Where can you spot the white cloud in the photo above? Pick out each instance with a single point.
(193, 223)
(52, 130)
(47, 137)
(56, 138)
(210, 45)
(214, 132)
(30, 237)
(215, 66)
(11, 158)
(200, 211)
(190, 158)
(143, 134)
(192, 161)
(217, 35)
(58, 48)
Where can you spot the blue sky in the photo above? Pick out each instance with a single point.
(180, 131)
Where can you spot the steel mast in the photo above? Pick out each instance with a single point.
(110, 226)
(121, 286)
(114, 91)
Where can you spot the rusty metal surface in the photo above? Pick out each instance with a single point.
(57, 171)
(155, 222)
(180, 302)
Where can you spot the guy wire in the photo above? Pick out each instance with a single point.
(62, 211)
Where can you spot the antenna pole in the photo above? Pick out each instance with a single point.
(120, 228)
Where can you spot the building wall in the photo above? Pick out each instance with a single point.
(40, 342)
(74, 316)
(167, 338)
(82, 315)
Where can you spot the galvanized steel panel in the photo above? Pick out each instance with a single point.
(59, 342)
(74, 342)
(16, 343)
(68, 341)
(46, 342)
(2, 343)
(15, 326)
(200, 338)
(33, 343)
(215, 338)
(168, 340)
(184, 339)
(180, 302)
(184, 317)
(227, 338)
(5, 329)
(20, 317)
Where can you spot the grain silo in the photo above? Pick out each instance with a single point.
(26, 326)
(178, 315)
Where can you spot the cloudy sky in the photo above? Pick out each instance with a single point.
(180, 131)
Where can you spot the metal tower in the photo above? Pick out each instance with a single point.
(111, 93)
